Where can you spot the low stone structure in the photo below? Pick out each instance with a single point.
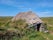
(31, 18)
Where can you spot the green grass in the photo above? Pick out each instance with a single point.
(32, 34)
(49, 22)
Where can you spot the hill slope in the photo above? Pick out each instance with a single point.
(33, 35)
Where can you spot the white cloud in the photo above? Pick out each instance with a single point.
(45, 4)
(19, 4)
(45, 13)
(26, 4)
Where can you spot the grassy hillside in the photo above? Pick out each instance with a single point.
(49, 22)
(4, 19)
(27, 34)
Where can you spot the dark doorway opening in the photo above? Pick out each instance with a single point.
(38, 26)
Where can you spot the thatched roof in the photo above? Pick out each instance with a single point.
(29, 16)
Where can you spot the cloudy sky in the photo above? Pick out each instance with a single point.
(43, 8)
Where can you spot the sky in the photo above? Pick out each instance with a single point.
(43, 8)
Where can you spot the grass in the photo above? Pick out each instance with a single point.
(32, 34)
(49, 22)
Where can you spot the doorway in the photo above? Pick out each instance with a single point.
(38, 26)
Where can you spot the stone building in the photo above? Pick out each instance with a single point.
(31, 18)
